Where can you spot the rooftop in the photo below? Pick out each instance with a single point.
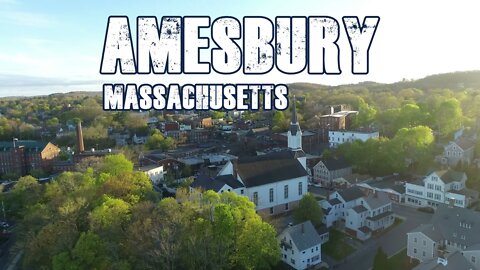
(304, 235)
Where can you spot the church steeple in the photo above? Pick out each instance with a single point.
(294, 133)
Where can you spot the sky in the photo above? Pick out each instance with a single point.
(54, 46)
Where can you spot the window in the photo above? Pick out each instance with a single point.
(271, 210)
(242, 191)
(473, 259)
(292, 260)
(271, 195)
(415, 239)
(424, 254)
(285, 192)
(255, 198)
(414, 251)
(300, 188)
(438, 197)
(286, 206)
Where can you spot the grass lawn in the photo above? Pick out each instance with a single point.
(336, 247)
(400, 262)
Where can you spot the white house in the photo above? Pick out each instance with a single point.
(338, 137)
(275, 182)
(336, 206)
(373, 214)
(301, 246)
(449, 241)
(362, 215)
(154, 172)
(461, 150)
(440, 187)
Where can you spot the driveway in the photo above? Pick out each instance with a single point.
(391, 242)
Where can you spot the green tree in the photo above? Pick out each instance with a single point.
(308, 209)
(116, 164)
(279, 122)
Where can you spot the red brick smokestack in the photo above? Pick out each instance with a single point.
(80, 146)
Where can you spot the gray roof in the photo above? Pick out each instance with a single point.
(455, 261)
(304, 235)
(334, 201)
(351, 193)
(448, 219)
(465, 143)
(334, 164)
(377, 200)
(215, 184)
(449, 175)
(455, 224)
(428, 230)
(269, 168)
(359, 209)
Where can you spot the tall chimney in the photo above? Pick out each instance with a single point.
(80, 146)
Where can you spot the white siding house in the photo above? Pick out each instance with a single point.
(301, 246)
(440, 187)
(338, 137)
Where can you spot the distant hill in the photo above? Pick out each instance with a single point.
(453, 81)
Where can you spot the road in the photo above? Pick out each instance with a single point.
(391, 242)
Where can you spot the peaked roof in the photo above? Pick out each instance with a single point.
(215, 184)
(449, 175)
(351, 193)
(465, 143)
(304, 235)
(359, 209)
(334, 164)
(269, 168)
(377, 200)
(455, 224)
(428, 230)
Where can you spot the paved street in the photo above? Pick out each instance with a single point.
(392, 242)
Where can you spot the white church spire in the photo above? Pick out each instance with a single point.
(294, 133)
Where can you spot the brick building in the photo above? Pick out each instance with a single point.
(20, 157)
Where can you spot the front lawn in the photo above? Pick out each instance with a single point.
(336, 247)
(399, 262)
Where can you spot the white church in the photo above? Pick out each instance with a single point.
(274, 182)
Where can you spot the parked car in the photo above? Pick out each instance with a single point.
(4, 224)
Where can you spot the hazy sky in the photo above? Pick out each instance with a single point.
(55, 46)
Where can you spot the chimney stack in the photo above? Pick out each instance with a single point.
(80, 146)
(303, 228)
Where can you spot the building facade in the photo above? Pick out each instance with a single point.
(440, 187)
(301, 246)
(20, 157)
(337, 137)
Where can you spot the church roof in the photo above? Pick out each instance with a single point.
(270, 168)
